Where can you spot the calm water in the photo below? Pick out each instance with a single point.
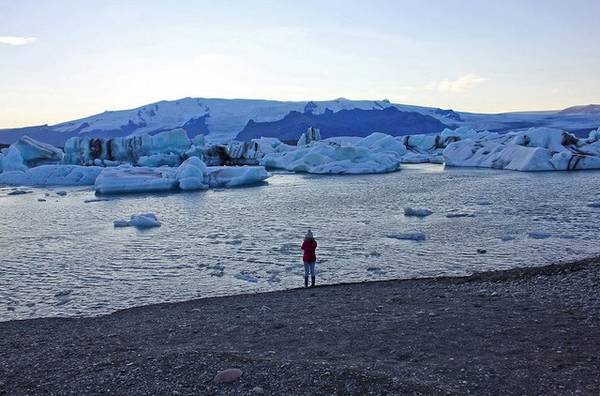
(63, 257)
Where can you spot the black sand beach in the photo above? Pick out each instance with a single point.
(526, 331)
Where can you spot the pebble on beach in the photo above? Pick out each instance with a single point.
(229, 375)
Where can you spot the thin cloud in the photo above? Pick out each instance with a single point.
(459, 85)
(16, 40)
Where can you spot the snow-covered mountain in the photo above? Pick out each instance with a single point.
(225, 119)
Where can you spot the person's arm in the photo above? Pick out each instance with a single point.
(303, 245)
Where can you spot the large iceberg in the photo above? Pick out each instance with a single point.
(367, 155)
(128, 179)
(537, 149)
(192, 174)
(52, 175)
(151, 150)
(27, 152)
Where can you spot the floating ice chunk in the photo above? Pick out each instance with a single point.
(453, 215)
(593, 205)
(123, 180)
(19, 192)
(95, 200)
(142, 220)
(236, 176)
(507, 237)
(244, 276)
(539, 235)
(52, 175)
(411, 236)
(192, 174)
(63, 293)
(417, 212)
(27, 152)
(61, 193)
(567, 160)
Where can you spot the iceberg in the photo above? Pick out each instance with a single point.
(128, 179)
(151, 149)
(537, 149)
(376, 153)
(417, 212)
(411, 236)
(192, 174)
(52, 175)
(236, 176)
(27, 152)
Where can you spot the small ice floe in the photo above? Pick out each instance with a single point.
(41, 200)
(455, 214)
(507, 238)
(19, 192)
(95, 200)
(481, 251)
(566, 236)
(539, 235)
(63, 293)
(375, 270)
(484, 203)
(244, 276)
(62, 193)
(593, 205)
(410, 236)
(417, 212)
(142, 220)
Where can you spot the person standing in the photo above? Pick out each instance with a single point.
(309, 246)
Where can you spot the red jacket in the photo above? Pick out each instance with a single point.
(309, 246)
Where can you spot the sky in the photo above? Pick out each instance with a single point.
(62, 60)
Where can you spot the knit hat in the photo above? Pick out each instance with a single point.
(309, 235)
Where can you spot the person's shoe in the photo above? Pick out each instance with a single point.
(312, 281)
(306, 281)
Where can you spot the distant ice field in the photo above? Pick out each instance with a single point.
(62, 256)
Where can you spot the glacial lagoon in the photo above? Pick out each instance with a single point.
(62, 256)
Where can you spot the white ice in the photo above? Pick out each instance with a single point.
(326, 157)
(52, 175)
(142, 220)
(417, 212)
(537, 149)
(27, 152)
(411, 236)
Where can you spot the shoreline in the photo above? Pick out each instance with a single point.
(524, 330)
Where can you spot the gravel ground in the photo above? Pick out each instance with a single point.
(526, 331)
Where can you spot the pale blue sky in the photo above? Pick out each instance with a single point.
(61, 60)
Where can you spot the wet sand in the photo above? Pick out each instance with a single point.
(524, 331)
